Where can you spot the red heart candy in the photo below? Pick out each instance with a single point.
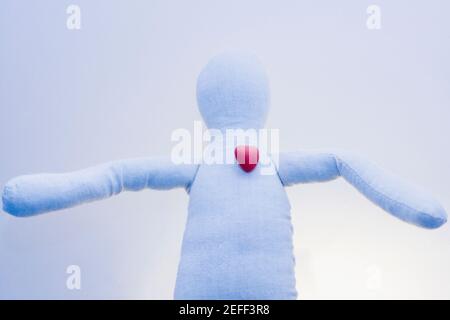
(247, 157)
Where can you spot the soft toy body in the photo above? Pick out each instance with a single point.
(238, 238)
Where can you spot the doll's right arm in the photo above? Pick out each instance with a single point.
(29, 195)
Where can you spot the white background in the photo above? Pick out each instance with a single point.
(118, 87)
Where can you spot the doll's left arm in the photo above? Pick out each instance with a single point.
(397, 197)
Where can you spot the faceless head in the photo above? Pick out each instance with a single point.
(233, 92)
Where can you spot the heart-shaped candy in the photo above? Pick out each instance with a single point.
(247, 157)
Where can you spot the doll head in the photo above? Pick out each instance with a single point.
(233, 92)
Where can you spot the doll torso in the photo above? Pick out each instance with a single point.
(238, 238)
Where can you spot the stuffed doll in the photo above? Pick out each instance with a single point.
(238, 241)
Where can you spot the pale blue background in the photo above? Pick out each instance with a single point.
(118, 87)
